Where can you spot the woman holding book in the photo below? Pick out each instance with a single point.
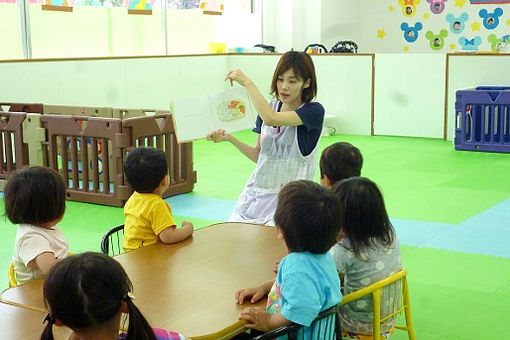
(288, 128)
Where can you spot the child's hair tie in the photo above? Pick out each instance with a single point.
(128, 297)
(50, 319)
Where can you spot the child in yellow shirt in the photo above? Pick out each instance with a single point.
(148, 217)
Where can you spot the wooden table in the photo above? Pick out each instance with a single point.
(24, 324)
(189, 287)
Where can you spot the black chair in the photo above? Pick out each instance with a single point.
(111, 244)
(326, 326)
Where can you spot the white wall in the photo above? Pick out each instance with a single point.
(344, 82)
(340, 20)
(409, 95)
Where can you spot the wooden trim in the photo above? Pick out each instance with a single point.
(169, 56)
(446, 84)
(372, 101)
(140, 11)
(212, 12)
(57, 8)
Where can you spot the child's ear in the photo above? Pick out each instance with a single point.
(124, 307)
(59, 323)
(165, 180)
(325, 181)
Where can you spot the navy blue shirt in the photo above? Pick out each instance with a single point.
(312, 116)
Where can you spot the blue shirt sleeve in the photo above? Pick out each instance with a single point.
(258, 125)
(300, 300)
(312, 115)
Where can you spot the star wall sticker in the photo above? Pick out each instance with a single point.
(460, 3)
(475, 26)
(381, 34)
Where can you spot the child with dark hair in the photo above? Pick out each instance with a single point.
(148, 217)
(88, 293)
(339, 161)
(307, 218)
(368, 252)
(35, 198)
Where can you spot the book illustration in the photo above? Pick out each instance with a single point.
(230, 110)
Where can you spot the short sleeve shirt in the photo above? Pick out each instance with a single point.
(373, 264)
(306, 285)
(147, 215)
(312, 115)
(32, 241)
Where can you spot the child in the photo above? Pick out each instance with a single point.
(288, 129)
(307, 219)
(148, 217)
(88, 293)
(35, 198)
(368, 252)
(339, 161)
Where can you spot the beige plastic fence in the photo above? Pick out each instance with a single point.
(87, 145)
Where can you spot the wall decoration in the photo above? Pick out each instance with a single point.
(485, 2)
(214, 7)
(470, 44)
(408, 7)
(437, 6)
(491, 20)
(457, 25)
(411, 32)
(397, 31)
(436, 41)
(498, 44)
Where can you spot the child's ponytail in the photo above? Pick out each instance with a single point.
(139, 328)
(47, 333)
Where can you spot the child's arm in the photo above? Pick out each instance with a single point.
(258, 318)
(44, 262)
(255, 293)
(173, 235)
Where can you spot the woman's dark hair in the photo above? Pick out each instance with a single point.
(365, 218)
(340, 161)
(145, 168)
(302, 65)
(309, 217)
(35, 195)
(84, 291)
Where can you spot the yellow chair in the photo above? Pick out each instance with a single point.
(12, 277)
(399, 293)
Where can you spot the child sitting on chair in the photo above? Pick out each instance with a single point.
(339, 161)
(368, 252)
(89, 293)
(35, 198)
(307, 218)
(148, 217)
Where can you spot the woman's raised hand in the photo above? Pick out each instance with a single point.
(218, 136)
(238, 76)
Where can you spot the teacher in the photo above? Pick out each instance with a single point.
(288, 128)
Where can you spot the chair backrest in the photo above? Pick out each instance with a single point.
(12, 277)
(111, 244)
(393, 289)
(325, 326)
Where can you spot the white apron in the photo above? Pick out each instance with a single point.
(280, 162)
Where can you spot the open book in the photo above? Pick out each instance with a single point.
(196, 117)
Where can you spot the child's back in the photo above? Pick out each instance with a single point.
(369, 252)
(148, 217)
(35, 199)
